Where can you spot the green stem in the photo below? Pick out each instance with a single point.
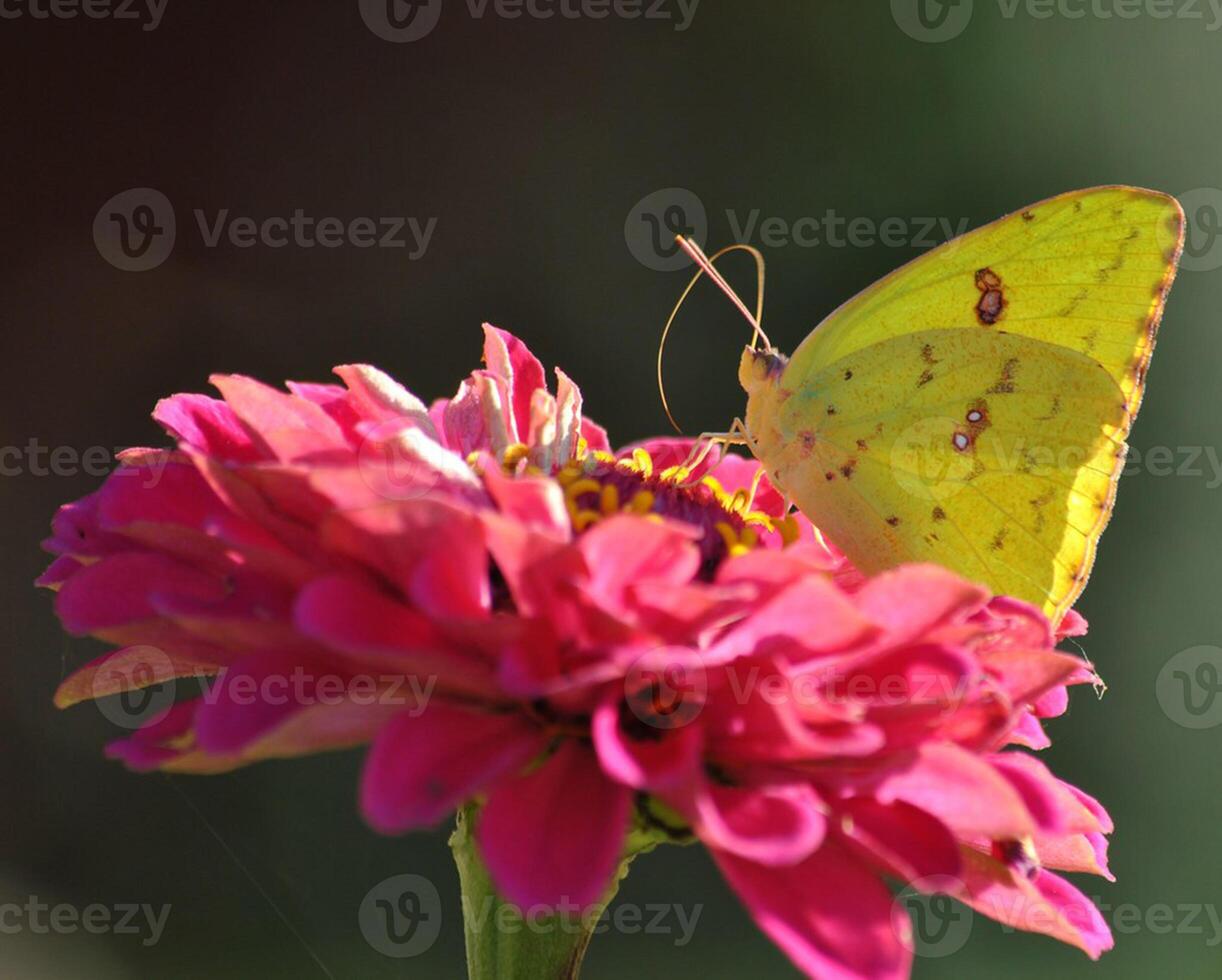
(501, 943)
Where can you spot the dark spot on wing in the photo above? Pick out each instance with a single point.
(848, 375)
(1074, 302)
(999, 539)
(1005, 383)
(863, 445)
(992, 298)
(927, 354)
(831, 409)
(1037, 506)
(847, 469)
(939, 514)
(925, 378)
(829, 476)
(1028, 216)
(1053, 411)
(893, 521)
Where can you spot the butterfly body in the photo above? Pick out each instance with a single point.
(971, 408)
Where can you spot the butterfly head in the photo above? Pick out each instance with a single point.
(760, 367)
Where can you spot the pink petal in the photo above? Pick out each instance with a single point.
(962, 790)
(628, 552)
(510, 359)
(348, 615)
(656, 758)
(290, 427)
(129, 669)
(380, 397)
(536, 502)
(207, 425)
(557, 834)
(906, 841)
(913, 600)
(260, 692)
(423, 766)
(808, 618)
(829, 914)
(1049, 905)
(778, 826)
(1049, 800)
(120, 589)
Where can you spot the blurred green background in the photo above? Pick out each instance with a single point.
(531, 141)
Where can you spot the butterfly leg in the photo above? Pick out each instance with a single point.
(704, 443)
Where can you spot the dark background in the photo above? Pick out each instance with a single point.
(531, 141)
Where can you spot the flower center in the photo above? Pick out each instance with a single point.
(600, 485)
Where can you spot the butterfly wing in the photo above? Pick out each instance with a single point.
(971, 408)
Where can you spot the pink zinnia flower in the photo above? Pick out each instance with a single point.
(586, 642)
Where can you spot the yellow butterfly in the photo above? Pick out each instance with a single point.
(971, 408)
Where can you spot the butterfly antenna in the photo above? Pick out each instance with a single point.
(704, 266)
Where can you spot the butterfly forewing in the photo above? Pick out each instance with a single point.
(971, 408)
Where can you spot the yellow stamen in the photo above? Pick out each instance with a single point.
(582, 519)
(609, 499)
(642, 503)
(582, 486)
(644, 462)
(514, 455)
(728, 534)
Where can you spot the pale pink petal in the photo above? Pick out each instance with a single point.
(510, 360)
